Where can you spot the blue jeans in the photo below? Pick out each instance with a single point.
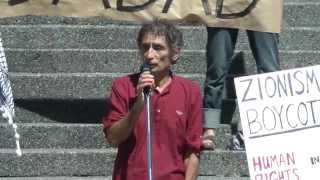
(219, 51)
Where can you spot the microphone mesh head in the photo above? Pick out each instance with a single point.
(145, 67)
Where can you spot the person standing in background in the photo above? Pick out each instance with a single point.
(219, 51)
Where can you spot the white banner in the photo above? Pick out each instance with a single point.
(280, 116)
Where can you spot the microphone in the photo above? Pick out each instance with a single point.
(145, 68)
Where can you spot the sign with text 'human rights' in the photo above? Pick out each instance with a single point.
(259, 15)
(280, 116)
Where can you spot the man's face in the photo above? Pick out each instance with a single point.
(156, 51)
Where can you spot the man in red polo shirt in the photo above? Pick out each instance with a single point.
(176, 112)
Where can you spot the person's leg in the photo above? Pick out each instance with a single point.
(264, 47)
(219, 50)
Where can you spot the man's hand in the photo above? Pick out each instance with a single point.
(146, 79)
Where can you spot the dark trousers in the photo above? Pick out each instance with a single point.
(220, 49)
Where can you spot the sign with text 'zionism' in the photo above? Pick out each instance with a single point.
(258, 15)
(280, 116)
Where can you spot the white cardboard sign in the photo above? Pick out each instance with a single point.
(280, 116)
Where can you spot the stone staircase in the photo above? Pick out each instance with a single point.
(61, 70)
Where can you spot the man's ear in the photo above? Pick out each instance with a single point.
(176, 55)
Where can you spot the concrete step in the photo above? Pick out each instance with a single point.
(296, 13)
(93, 86)
(224, 163)
(109, 178)
(54, 135)
(299, 13)
(58, 178)
(57, 162)
(126, 61)
(222, 178)
(71, 136)
(299, 1)
(92, 162)
(107, 37)
(61, 85)
(66, 86)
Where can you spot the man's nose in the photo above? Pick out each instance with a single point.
(150, 53)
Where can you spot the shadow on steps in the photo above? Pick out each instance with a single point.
(66, 110)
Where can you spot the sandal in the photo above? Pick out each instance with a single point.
(208, 139)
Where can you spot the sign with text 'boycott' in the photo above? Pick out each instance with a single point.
(280, 116)
(259, 15)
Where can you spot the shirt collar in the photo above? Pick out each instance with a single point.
(167, 86)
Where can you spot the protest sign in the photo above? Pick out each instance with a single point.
(259, 15)
(280, 116)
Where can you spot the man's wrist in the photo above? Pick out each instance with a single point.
(139, 102)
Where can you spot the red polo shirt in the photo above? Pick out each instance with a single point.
(176, 127)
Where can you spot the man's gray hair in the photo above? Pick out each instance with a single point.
(172, 35)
